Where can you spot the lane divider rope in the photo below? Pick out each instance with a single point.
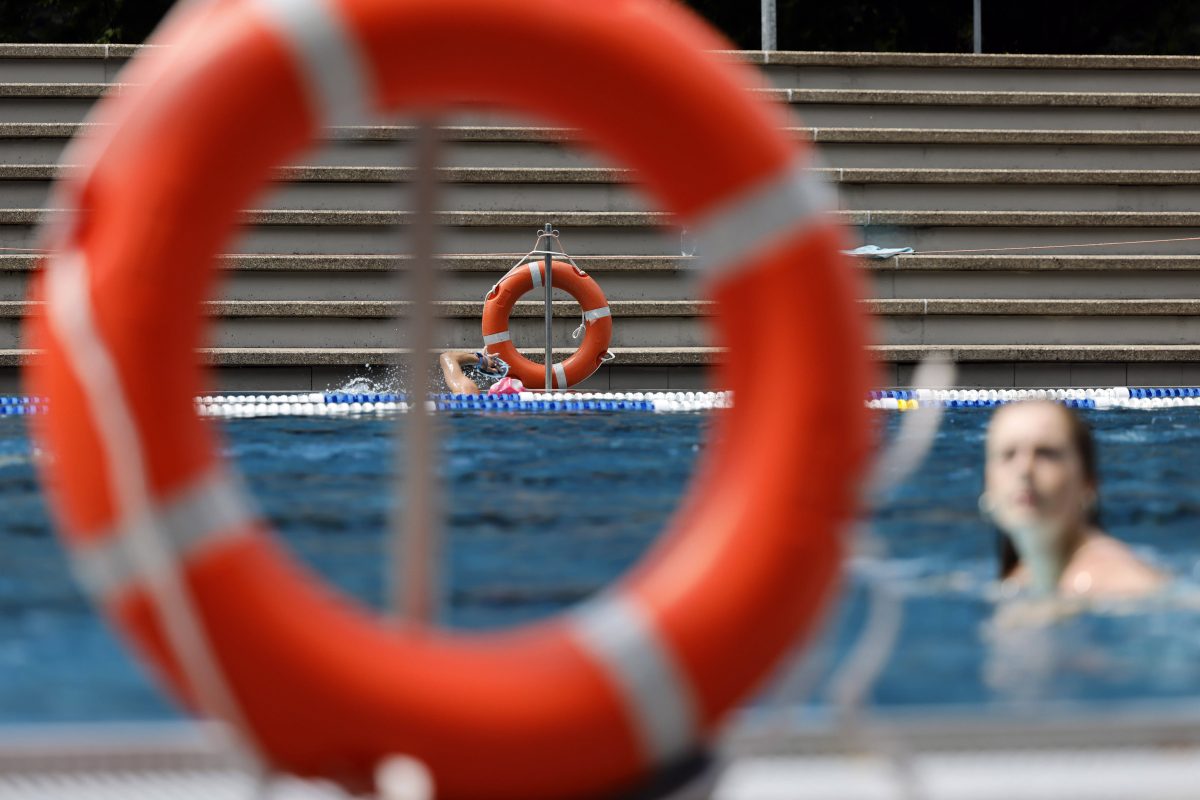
(340, 404)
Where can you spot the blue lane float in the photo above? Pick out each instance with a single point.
(20, 406)
(336, 404)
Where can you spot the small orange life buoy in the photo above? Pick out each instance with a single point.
(597, 322)
(585, 703)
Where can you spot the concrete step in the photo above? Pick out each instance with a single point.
(964, 71)
(886, 108)
(375, 232)
(50, 102)
(390, 188)
(950, 148)
(556, 148)
(1033, 355)
(327, 368)
(680, 323)
(374, 324)
(382, 356)
(1051, 365)
(1069, 277)
(368, 146)
(1018, 189)
(342, 278)
(676, 369)
(1091, 232)
(347, 277)
(1037, 322)
(590, 189)
(56, 63)
(63, 63)
(654, 234)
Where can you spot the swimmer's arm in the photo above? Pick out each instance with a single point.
(452, 363)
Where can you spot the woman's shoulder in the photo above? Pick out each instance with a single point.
(1106, 565)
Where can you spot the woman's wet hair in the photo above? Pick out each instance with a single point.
(1084, 444)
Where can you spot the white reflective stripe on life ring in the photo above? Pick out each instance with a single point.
(755, 220)
(331, 65)
(560, 376)
(211, 509)
(655, 693)
(497, 338)
(596, 313)
(72, 320)
(535, 272)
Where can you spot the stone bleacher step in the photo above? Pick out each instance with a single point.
(598, 189)
(1018, 277)
(820, 135)
(851, 70)
(476, 263)
(680, 323)
(627, 219)
(879, 147)
(466, 262)
(675, 368)
(1064, 232)
(280, 278)
(654, 233)
(586, 175)
(291, 277)
(702, 356)
(567, 308)
(378, 356)
(70, 102)
(100, 63)
(802, 96)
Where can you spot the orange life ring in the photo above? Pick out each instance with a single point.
(584, 703)
(597, 323)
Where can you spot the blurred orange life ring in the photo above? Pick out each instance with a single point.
(587, 702)
(597, 323)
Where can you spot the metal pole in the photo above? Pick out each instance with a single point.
(549, 310)
(415, 532)
(978, 26)
(768, 24)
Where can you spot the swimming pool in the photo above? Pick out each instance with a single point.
(545, 509)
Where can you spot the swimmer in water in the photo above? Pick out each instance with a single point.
(471, 373)
(1041, 490)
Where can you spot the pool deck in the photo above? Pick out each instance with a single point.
(1149, 754)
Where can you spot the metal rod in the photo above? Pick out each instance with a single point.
(768, 24)
(978, 26)
(415, 532)
(549, 281)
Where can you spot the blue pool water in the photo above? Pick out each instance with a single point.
(544, 510)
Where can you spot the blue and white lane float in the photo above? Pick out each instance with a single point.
(336, 404)
(347, 404)
(21, 406)
(1102, 399)
(343, 404)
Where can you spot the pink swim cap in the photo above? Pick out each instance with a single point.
(507, 385)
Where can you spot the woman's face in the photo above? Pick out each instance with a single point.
(1034, 476)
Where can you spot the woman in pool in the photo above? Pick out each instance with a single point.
(472, 373)
(1041, 490)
